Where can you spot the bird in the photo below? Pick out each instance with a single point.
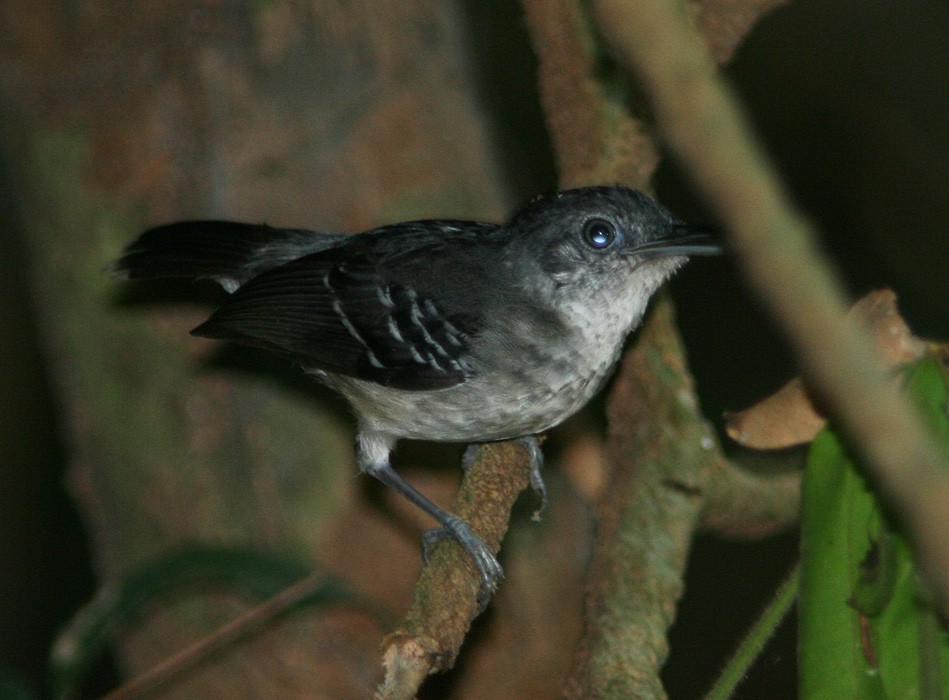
(441, 329)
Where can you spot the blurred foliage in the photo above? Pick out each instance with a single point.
(850, 96)
(867, 629)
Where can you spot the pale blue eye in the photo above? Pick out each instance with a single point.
(599, 233)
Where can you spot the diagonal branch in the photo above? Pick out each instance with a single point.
(446, 595)
(778, 249)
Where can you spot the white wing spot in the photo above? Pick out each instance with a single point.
(230, 284)
(385, 298)
(370, 355)
(394, 330)
(453, 334)
(373, 360)
(418, 319)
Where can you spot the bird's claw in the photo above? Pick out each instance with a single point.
(488, 565)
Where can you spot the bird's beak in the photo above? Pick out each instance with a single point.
(683, 239)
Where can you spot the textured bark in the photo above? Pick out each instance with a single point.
(648, 516)
(665, 463)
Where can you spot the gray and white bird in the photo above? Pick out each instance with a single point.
(443, 330)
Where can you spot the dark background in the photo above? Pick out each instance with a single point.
(851, 98)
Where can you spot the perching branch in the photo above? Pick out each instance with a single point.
(446, 595)
(707, 131)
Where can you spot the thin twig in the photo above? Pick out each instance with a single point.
(597, 138)
(193, 656)
(759, 634)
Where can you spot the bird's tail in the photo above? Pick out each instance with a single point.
(226, 252)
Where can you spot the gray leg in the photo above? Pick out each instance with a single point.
(532, 445)
(468, 458)
(368, 451)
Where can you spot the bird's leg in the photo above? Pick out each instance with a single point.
(536, 456)
(452, 527)
(532, 445)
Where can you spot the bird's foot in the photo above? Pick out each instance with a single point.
(488, 566)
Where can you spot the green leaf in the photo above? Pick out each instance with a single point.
(865, 629)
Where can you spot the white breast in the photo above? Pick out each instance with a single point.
(523, 384)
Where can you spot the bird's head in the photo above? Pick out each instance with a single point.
(609, 244)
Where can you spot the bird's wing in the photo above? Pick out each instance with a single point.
(347, 310)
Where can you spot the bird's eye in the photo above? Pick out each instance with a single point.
(598, 233)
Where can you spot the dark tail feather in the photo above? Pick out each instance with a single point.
(227, 252)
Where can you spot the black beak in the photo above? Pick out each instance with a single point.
(684, 239)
